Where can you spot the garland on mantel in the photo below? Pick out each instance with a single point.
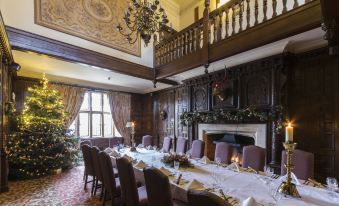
(251, 112)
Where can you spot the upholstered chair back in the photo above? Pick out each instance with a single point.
(166, 147)
(147, 140)
(197, 150)
(95, 158)
(129, 190)
(88, 162)
(224, 151)
(181, 145)
(254, 157)
(303, 163)
(108, 174)
(158, 188)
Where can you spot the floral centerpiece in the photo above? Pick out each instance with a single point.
(169, 159)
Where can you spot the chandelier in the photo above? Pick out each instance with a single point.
(145, 19)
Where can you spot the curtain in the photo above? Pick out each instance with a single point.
(120, 104)
(72, 98)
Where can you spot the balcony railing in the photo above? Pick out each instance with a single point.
(201, 43)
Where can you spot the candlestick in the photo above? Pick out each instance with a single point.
(287, 187)
(289, 133)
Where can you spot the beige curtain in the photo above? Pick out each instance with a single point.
(72, 98)
(121, 112)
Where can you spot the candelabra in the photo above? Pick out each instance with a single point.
(287, 187)
(132, 126)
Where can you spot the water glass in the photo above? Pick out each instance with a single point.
(218, 161)
(269, 170)
(176, 165)
(332, 185)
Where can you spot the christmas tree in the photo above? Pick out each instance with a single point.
(40, 143)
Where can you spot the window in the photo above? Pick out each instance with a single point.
(95, 118)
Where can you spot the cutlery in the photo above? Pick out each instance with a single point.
(316, 183)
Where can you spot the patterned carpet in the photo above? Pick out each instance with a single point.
(64, 189)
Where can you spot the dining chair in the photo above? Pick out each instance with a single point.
(197, 150)
(224, 151)
(131, 195)
(89, 167)
(254, 157)
(166, 147)
(83, 142)
(111, 184)
(203, 198)
(147, 140)
(158, 187)
(181, 145)
(303, 164)
(98, 178)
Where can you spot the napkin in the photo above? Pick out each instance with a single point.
(140, 146)
(294, 179)
(114, 153)
(149, 147)
(140, 165)
(108, 150)
(234, 166)
(205, 160)
(195, 185)
(128, 157)
(249, 202)
(165, 171)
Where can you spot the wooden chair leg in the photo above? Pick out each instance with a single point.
(96, 186)
(93, 184)
(104, 198)
(86, 177)
(112, 200)
(102, 191)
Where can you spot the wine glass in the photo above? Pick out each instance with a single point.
(276, 196)
(218, 161)
(332, 184)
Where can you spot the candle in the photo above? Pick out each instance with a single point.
(289, 133)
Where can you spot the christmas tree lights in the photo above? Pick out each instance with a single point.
(40, 144)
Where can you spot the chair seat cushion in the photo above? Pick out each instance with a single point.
(142, 196)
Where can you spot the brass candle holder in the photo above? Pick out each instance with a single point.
(132, 126)
(287, 187)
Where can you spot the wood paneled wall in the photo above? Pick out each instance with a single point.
(306, 84)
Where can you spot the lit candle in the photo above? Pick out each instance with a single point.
(289, 133)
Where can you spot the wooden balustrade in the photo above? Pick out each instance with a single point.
(232, 18)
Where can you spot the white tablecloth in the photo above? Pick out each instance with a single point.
(235, 184)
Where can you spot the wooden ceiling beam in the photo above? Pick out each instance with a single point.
(26, 41)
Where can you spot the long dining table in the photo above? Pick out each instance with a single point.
(234, 186)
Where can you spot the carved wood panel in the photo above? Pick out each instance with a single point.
(257, 89)
(200, 98)
(181, 105)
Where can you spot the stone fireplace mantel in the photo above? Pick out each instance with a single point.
(257, 131)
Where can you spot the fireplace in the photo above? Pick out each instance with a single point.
(238, 135)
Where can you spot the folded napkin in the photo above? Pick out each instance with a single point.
(205, 160)
(195, 185)
(128, 157)
(234, 166)
(249, 202)
(165, 171)
(140, 146)
(115, 154)
(108, 150)
(294, 179)
(140, 165)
